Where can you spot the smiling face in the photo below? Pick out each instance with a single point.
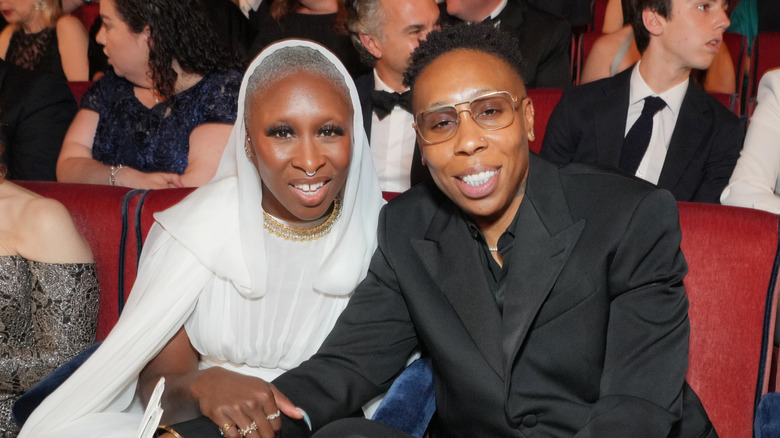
(480, 170)
(127, 52)
(300, 124)
(692, 34)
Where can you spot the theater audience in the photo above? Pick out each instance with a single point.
(244, 278)
(545, 39)
(616, 51)
(161, 117)
(652, 120)
(317, 20)
(35, 111)
(41, 39)
(49, 290)
(755, 182)
(385, 32)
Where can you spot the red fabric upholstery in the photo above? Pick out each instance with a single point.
(766, 57)
(87, 14)
(96, 211)
(78, 88)
(545, 100)
(731, 253)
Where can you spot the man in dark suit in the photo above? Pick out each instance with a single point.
(549, 300)
(385, 32)
(545, 39)
(693, 142)
(35, 112)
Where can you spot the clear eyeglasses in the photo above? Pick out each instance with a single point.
(490, 111)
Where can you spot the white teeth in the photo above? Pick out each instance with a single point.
(478, 179)
(309, 187)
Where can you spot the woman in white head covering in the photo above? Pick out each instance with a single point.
(247, 275)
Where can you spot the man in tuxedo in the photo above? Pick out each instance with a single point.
(549, 300)
(385, 32)
(545, 39)
(35, 112)
(652, 120)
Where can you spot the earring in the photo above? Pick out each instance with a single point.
(247, 149)
(531, 135)
(40, 5)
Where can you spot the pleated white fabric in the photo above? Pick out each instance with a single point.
(250, 302)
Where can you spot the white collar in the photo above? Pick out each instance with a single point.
(379, 84)
(673, 96)
(498, 10)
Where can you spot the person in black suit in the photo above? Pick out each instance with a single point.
(385, 32)
(545, 39)
(35, 112)
(549, 299)
(693, 141)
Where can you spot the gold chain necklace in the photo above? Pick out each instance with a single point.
(302, 234)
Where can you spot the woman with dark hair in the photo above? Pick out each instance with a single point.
(316, 20)
(41, 38)
(162, 116)
(48, 292)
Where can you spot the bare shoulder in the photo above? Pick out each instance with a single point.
(68, 25)
(48, 234)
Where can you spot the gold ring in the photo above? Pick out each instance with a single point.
(249, 429)
(225, 428)
(274, 416)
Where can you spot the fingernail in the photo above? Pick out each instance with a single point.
(305, 417)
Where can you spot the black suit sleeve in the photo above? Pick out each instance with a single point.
(554, 68)
(646, 359)
(726, 143)
(366, 350)
(561, 136)
(44, 117)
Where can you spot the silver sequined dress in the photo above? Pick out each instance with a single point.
(48, 313)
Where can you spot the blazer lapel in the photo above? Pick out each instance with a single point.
(545, 238)
(447, 253)
(610, 118)
(364, 85)
(693, 124)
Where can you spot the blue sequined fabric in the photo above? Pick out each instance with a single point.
(157, 139)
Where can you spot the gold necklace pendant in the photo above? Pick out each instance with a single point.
(302, 234)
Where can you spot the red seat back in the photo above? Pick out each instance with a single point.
(78, 88)
(731, 285)
(545, 100)
(766, 56)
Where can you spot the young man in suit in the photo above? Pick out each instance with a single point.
(545, 39)
(686, 141)
(385, 32)
(549, 300)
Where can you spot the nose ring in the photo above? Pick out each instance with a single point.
(310, 173)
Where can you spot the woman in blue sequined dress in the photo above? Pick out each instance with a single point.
(162, 116)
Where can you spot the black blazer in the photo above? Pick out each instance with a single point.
(545, 43)
(593, 339)
(35, 112)
(589, 123)
(364, 85)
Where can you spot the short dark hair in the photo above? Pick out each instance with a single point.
(483, 37)
(635, 9)
(179, 30)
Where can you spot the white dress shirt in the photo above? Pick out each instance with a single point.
(755, 182)
(392, 145)
(663, 122)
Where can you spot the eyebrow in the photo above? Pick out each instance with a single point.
(470, 95)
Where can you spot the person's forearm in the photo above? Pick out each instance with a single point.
(83, 170)
(177, 401)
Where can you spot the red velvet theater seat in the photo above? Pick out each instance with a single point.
(97, 213)
(731, 285)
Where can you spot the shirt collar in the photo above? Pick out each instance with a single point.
(498, 10)
(673, 96)
(380, 85)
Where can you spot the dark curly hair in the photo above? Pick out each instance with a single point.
(483, 37)
(181, 31)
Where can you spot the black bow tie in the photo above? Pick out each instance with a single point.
(384, 102)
